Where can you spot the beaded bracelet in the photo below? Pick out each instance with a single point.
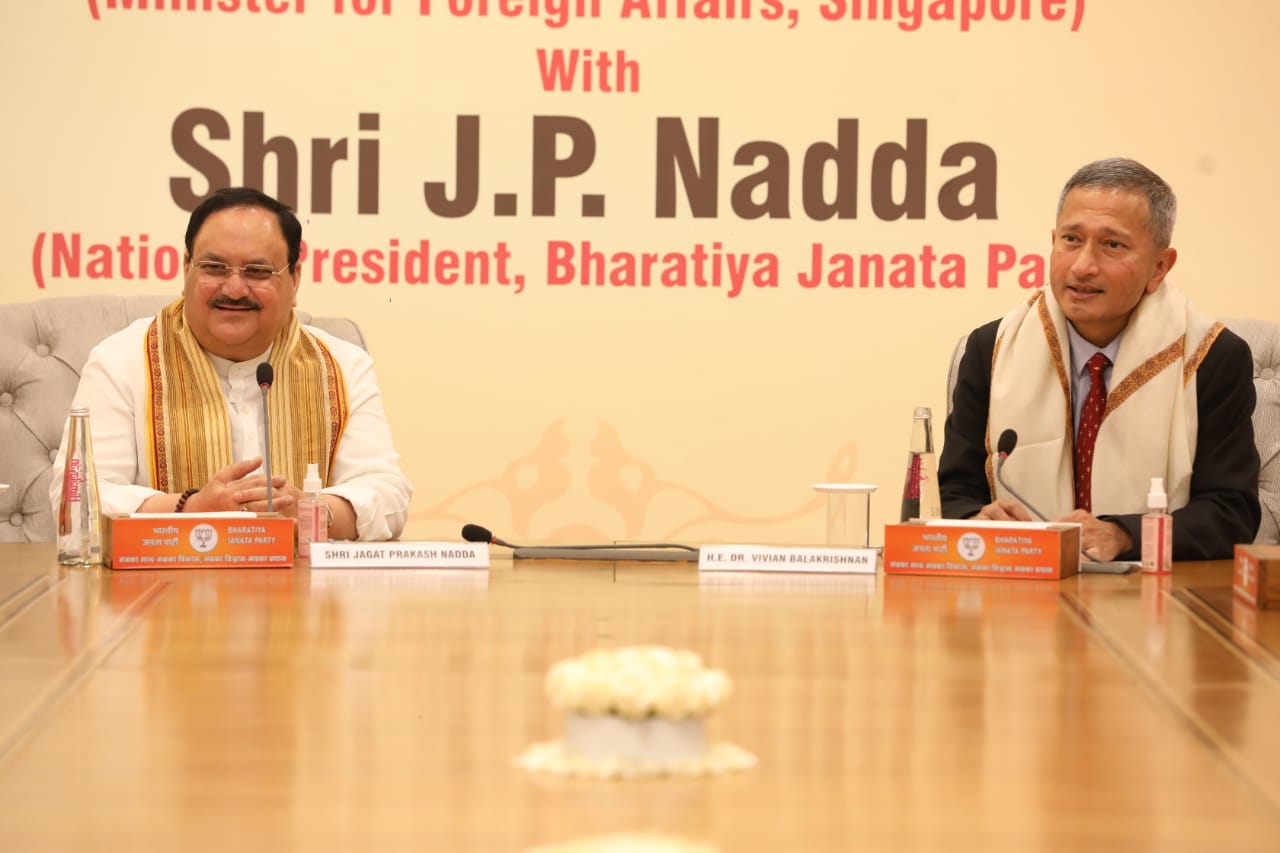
(182, 501)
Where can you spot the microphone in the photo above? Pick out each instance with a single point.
(266, 375)
(476, 533)
(612, 551)
(1004, 447)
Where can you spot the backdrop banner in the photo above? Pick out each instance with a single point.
(638, 269)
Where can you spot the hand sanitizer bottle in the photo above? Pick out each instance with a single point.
(1157, 531)
(313, 515)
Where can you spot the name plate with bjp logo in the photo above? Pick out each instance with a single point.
(1256, 580)
(188, 540)
(987, 549)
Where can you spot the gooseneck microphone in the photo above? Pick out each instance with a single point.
(266, 375)
(476, 533)
(612, 551)
(1004, 447)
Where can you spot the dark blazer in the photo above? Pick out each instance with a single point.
(1223, 509)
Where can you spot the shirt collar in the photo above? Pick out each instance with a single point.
(225, 367)
(1082, 350)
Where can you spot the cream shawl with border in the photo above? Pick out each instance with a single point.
(190, 428)
(1149, 425)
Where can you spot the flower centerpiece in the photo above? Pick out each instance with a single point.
(635, 711)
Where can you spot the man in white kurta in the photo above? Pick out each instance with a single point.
(176, 412)
(113, 385)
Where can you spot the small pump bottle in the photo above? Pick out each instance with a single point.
(313, 516)
(1157, 531)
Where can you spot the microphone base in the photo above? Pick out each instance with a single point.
(611, 555)
(1093, 567)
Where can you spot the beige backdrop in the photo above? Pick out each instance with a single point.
(576, 411)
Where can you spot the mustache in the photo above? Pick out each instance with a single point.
(222, 301)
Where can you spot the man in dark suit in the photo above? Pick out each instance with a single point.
(1110, 378)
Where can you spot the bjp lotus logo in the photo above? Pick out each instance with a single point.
(203, 538)
(972, 546)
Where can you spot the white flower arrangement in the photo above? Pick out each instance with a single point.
(635, 712)
(637, 682)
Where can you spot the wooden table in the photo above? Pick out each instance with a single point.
(381, 710)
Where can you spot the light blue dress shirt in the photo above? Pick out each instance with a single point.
(1081, 352)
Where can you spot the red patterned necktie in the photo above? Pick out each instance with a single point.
(1090, 419)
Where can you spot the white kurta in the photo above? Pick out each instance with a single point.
(113, 385)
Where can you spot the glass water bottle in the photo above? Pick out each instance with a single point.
(920, 497)
(79, 514)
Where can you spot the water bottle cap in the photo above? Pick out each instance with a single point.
(79, 411)
(924, 412)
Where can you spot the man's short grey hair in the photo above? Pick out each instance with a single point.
(1122, 174)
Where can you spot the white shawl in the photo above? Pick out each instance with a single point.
(1149, 426)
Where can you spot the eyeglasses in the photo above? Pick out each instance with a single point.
(252, 273)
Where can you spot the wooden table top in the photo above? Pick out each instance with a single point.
(381, 710)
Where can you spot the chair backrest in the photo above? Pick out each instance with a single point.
(1263, 338)
(43, 347)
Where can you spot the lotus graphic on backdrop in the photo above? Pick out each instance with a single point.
(575, 465)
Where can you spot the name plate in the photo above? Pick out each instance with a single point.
(399, 555)
(190, 540)
(1256, 569)
(773, 558)
(990, 549)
